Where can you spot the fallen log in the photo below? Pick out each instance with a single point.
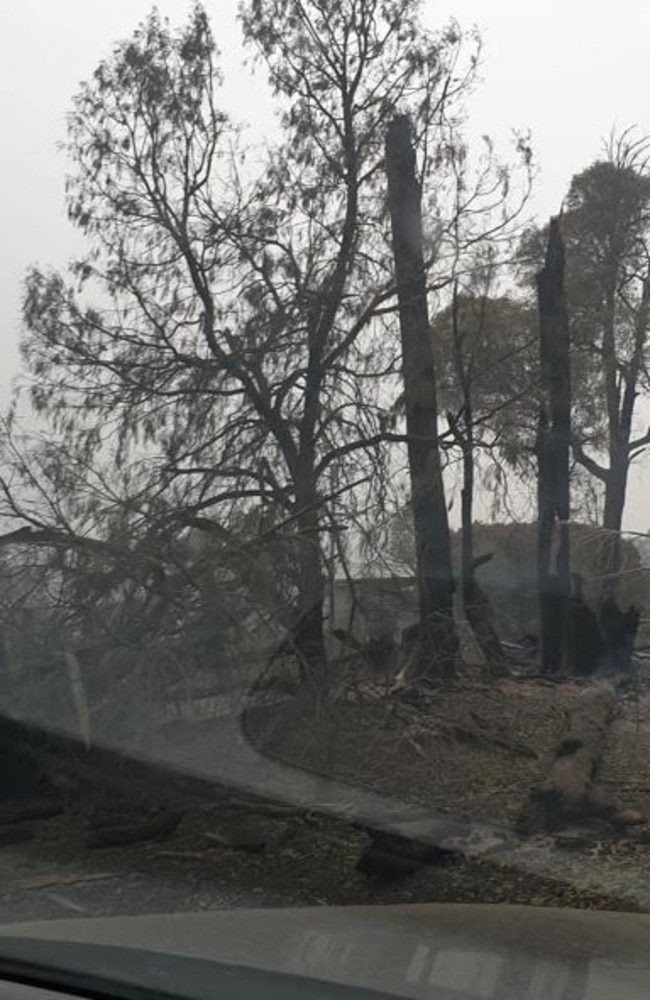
(389, 856)
(124, 835)
(48, 881)
(569, 793)
(16, 833)
(239, 837)
(30, 809)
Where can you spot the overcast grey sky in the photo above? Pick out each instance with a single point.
(568, 71)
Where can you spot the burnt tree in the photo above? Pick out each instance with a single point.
(569, 794)
(585, 638)
(553, 443)
(437, 637)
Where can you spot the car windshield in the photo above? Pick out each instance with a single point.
(324, 552)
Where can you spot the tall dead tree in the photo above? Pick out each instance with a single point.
(606, 232)
(437, 638)
(553, 443)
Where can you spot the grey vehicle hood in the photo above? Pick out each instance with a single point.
(423, 950)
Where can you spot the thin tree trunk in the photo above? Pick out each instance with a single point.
(476, 603)
(610, 551)
(551, 650)
(553, 444)
(620, 447)
(438, 642)
(467, 527)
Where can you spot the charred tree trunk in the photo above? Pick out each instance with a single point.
(438, 642)
(553, 444)
(478, 611)
(585, 640)
(308, 631)
(569, 793)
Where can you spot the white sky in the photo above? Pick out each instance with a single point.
(568, 71)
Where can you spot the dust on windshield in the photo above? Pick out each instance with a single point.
(322, 573)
